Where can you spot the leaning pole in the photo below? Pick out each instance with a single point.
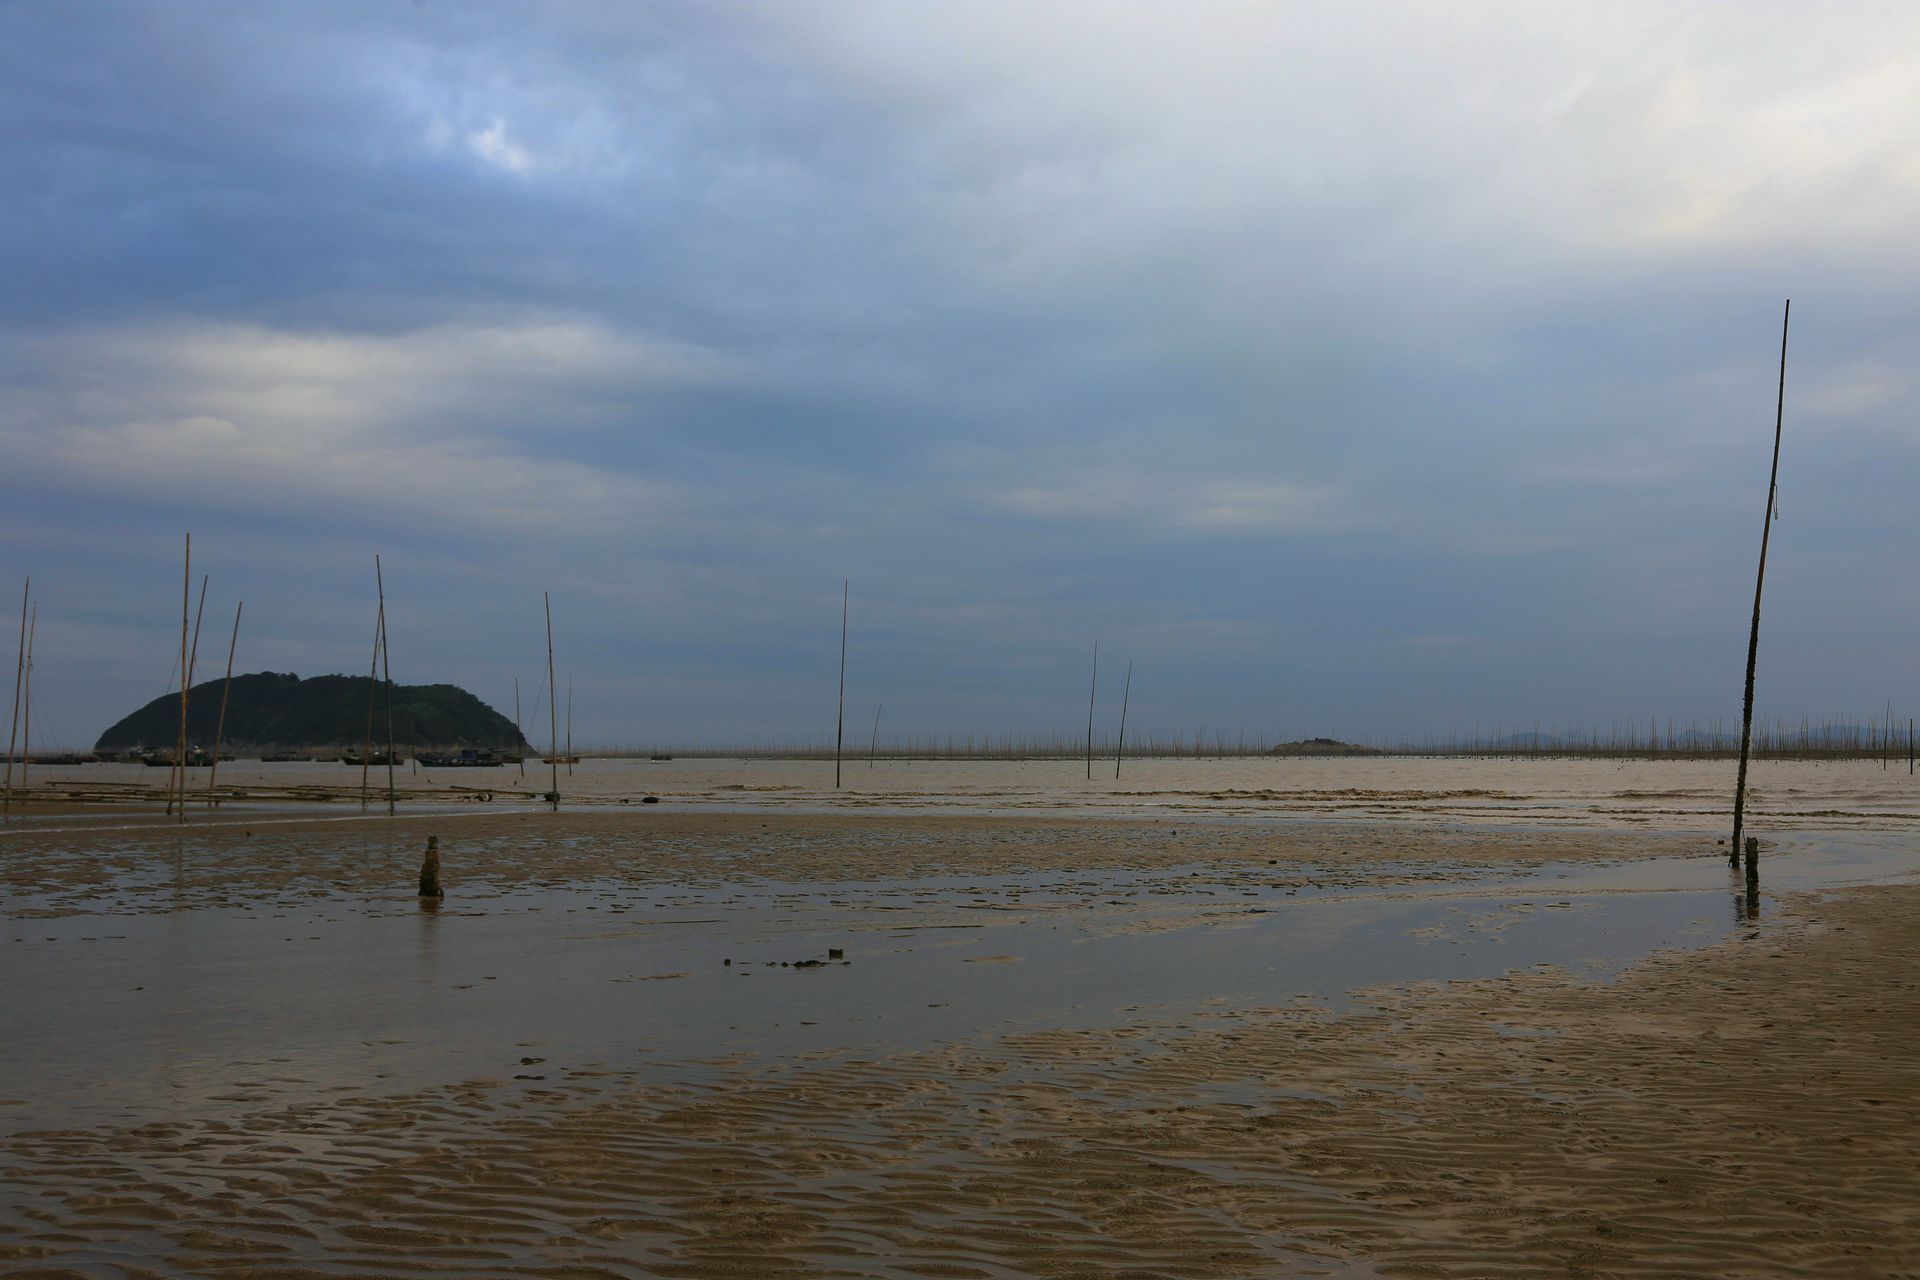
(1759, 584)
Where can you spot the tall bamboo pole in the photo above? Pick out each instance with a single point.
(386, 670)
(840, 725)
(193, 666)
(1091, 689)
(180, 742)
(1759, 584)
(519, 747)
(19, 674)
(26, 704)
(226, 692)
(373, 683)
(569, 726)
(553, 710)
(1120, 747)
(874, 744)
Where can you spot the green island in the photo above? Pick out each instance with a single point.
(273, 712)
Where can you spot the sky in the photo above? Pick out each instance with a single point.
(1361, 370)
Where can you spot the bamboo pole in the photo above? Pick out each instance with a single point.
(553, 712)
(1091, 689)
(26, 705)
(220, 731)
(840, 725)
(519, 747)
(1120, 747)
(875, 742)
(1759, 584)
(569, 726)
(373, 683)
(180, 742)
(193, 665)
(386, 670)
(19, 675)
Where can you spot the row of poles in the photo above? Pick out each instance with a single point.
(379, 672)
(840, 722)
(382, 667)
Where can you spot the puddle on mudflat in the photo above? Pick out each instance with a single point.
(119, 1010)
(124, 1019)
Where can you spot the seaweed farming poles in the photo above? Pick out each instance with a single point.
(1120, 745)
(1759, 584)
(19, 675)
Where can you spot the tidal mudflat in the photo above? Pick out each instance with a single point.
(673, 1042)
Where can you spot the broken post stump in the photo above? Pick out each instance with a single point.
(430, 871)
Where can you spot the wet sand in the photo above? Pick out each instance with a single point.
(1082, 1049)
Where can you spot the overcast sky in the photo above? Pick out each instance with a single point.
(1350, 369)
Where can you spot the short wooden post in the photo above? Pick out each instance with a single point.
(1753, 877)
(430, 871)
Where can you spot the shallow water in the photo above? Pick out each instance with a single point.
(123, 1014)
(1667, 794)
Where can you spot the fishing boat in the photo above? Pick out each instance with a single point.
(197, 758)
(468, 759)
(370, 758)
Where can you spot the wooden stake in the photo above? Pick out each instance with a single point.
(430, 886)
(840, 725)
(553, 711)
(1090, 692)
(386, 670)
(1759, 584)
(1752, 848)
(19, 675)
(1120, 747)
(220, 731)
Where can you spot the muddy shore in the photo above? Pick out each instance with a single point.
(1741, 1105)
